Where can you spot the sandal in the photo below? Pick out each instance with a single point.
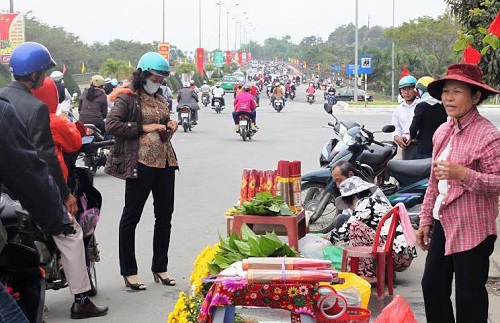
(135, 286)
(165, 281)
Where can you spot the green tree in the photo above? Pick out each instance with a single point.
(475, 16)
(116, 68)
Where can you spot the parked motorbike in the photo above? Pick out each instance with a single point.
(246, 131)
(357, 146)
(186, 122)
(310, 98)
(205, 98)
(331, 99)
(278, 105)
(94, 148)
(218, 105)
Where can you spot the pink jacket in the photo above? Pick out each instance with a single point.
(244, 102)
(311, 90)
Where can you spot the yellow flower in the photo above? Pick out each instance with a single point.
(293, 291)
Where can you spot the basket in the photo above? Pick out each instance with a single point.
(352, 315)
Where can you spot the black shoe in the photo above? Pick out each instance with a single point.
(195, 123)
(83, 311)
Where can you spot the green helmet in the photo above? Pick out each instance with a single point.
(154, 63)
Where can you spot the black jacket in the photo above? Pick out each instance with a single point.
(34, 114)
(26, 176)
(426, 119)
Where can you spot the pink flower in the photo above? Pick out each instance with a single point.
(303, 290)
(234, 285)
(253, 295)
(304, 310)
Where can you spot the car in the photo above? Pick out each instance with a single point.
(348, 95)
(228, 83)
(240, 77)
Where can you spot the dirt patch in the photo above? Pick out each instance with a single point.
(493, 286)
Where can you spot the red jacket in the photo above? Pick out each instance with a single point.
(244, 102)
(66, 136)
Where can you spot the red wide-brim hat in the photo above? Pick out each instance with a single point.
(467, 73)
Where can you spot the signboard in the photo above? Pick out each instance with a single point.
(367, 69)
(164, 50)
(336, 68)
(218, 59)
(366, 64)
(11, 34)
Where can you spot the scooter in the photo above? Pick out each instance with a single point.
(94, 148)
(218, 105)
(278, 105)
(186, 122)
(246, 131)
(292, 95)
(331, 99)
(205, 98)
(310, 98)
(358, 147)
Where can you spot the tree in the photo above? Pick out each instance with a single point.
(116, 68)
(475, 16)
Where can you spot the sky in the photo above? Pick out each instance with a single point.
(105, 20)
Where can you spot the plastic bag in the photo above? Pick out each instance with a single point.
(312, 246)
(398, 311)
(353, 280)
(334, 254)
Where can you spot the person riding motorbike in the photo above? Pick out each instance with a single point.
(63, 92)
(278, 93)
(311, 90)
(245, 103)
(205, 90)
(167, 92)
(218, 93)
(28, 63)
(192, 86)
(254, 90)
(238, 88)
(93, 103)
(188, 96)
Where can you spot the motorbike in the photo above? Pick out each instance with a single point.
(310, 98)
(246, 131)
(186, 122)
(278, 105)
(292, 95)
(94, 148)
(356, 145)
(205, 98)
(331, 99)
(218, 105)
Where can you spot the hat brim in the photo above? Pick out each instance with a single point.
(340, 203)
(159, 73)
(436, 88)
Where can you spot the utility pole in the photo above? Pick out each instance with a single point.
(163, 31)
(392, 57)
(220, 9)
(356, 57)
(11, 6)
(199, 31)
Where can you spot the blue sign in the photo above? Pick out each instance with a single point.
(366, 66)
(336, 68)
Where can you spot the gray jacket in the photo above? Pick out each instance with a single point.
(34, 114)
(189, 97)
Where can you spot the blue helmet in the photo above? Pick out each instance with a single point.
(30, 57)
(407, 81)
(154, 63)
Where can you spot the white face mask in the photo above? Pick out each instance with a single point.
(151, 87)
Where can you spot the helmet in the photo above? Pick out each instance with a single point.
(114, 82)
(204, 82)
(154, 63)
(217, 84)
(192, 82)
(407, 81)
(247, 87)
(30, 57)
(107, 80)
(423, 82)
(277, 84)
(56, 76)
(97, 81)
(185, 84)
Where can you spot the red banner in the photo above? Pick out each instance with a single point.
(164, 50)
(11, 34)
(240, 58)
(200, 55)
(249, 56)
(228, 58)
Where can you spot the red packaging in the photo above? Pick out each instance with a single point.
(260, 184)
(295, 186)
(252, 182)
(273, 175)
(244, 185)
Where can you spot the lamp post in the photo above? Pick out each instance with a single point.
(199, 23)
(227, 23)
(220, 9)
(163, 31)
(356, 57)
(392, 57)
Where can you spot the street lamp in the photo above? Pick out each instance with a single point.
(392, 57)
(199, 22)
(356, 57)
(163, 31)
(227, 22)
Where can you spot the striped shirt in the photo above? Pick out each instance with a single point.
(469, 210)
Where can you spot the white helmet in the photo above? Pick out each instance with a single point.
(56, 76)
(185, 84)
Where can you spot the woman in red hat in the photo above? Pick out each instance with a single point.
(461, 202)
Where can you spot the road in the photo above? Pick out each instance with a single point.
(211, 160)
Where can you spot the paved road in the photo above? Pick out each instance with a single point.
(211, 160)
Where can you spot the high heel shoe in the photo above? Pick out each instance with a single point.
(165, 281)
(136, 286)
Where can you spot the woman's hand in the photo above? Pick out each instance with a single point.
(153, 127)
(172, 125)
(423, 238)
(449, 170)
(400, 141)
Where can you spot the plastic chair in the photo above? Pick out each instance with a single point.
(382, 255)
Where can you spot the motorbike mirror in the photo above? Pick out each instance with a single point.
(328, 108)
(388, 128)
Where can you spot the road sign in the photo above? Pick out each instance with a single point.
(336, 68)
(218, 59)
(366, 66)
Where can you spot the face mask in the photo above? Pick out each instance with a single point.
(151, 87)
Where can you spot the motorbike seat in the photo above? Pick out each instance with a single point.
(8, 209)
(420, 168)
(377, 157)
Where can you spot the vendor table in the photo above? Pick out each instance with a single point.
(295, 224)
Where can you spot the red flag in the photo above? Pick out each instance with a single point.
(471, 55)
(240, 58)
(228, 58)
(494, 28)
(200, 55)
(404, 72)
(64, 69)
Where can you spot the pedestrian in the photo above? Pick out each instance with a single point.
(403, 116)
(461, 202)
(429, 114)
(93, 103)
(144, 157)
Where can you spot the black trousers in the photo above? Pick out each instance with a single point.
(471, 273)
(160, 181)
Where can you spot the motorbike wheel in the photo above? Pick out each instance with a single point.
(310, 195)
(93, 279)
(91, 270)
(185, 126)
(243, 133)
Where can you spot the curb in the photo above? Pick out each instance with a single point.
(385, 108)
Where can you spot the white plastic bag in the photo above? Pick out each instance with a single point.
(311, 246)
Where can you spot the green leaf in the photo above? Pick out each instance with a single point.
(264, 196)
(459, 45)
(214, 268)
(268, 246)
(232, 245)
(285, 210)
(255, 248)
(243, 247)
(234, 257)
(469, 38)
(274, 208)
(483, 30)
(247, 233)
(485, 50)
